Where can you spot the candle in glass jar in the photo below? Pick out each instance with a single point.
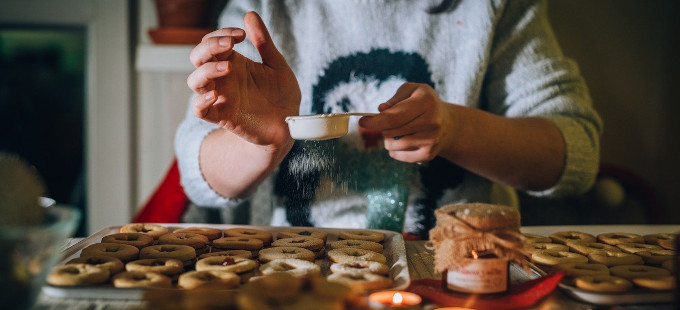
(394, 300)
(479, 273)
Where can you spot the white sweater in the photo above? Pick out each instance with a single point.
(351, 55)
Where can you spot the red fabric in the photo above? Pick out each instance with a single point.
(168, 202)
(519, 296)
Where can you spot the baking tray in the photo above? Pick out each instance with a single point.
(394, 251)
(633, 296)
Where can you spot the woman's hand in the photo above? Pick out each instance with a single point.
(414, 123)
(247, 98)
(527, 153)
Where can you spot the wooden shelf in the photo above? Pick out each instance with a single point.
(164, 58)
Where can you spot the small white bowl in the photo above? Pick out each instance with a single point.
(320, 126)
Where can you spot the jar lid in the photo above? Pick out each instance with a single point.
(483, 216)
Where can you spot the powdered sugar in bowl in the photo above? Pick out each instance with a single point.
(320, 126)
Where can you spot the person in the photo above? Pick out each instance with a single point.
(474, 99)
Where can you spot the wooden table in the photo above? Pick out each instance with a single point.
(420, 263)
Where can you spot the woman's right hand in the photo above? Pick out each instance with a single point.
(248, 98)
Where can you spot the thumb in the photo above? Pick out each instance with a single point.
(259, 36)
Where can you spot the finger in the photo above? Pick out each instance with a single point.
(202, 79)
(259, 36)
(403, 92)
(211, 49)
(202, 103)
(237, 33)
(397, 116)
(420, 125)
(411, 156)
(407, 142)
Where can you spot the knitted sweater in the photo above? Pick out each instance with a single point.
(351, 55)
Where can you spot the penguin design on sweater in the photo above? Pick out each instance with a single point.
(359, 83)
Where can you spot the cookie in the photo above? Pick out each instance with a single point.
(152, 230)
(357, 244)
(295, 267)
(129, 279)
(77, 274)
(270, 254)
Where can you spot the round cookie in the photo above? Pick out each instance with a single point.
(241, 253)
(552, 258)
(638, 271)
(368, 235)
(183, 253)
(667, 244)
(152, 230)
(197, 241)
(112, 264)
(278, 286)
(360, 267)
(342, 255)
(656, 238)
(610, 258)
(619, 237)
(270, 254)
(587, 248)
(565, 237)
(166, 266)
(637, 247)
(138, 240)
(208, 279)
(534, 238)
(264, 236)
(362, 282)
(140, 279)
(357, 244)
(77, 274)
(548, 246)
(603, 283)
(234, 264)
(295, 267)
(582, 269)
(302, 232)
(309, 243)
(123, 252)
(656, 283)
(238, 243)
(656, 257)
(210, 233)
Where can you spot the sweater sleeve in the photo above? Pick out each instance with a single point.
(529, 76)
(188, 139)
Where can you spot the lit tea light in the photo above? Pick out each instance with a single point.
(394, 300)
(480, 273)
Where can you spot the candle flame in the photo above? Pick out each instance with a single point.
(397, 299)
(475, 255)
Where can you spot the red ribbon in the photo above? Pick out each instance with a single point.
(519, 296)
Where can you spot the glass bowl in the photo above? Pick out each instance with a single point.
(28, 253)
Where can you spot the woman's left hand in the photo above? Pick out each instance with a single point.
(415, 123)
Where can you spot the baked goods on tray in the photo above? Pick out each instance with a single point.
(192, 257)
(608, 262)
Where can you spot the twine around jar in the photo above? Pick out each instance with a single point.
(454, 238)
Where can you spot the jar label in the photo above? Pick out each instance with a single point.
(482, 276)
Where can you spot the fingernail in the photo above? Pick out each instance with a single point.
(221, 66)
(224, 41)
(237, 32)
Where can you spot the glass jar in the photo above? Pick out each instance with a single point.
(479, 273)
